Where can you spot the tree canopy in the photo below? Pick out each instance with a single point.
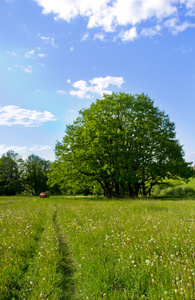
(122, 142)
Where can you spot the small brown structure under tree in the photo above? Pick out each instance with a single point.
(44, 195)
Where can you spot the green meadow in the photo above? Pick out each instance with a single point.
(92, 248)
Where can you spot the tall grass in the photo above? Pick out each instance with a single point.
(84, 249)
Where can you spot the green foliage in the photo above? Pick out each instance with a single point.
(178, 192)
(175, 189)
(27, 177)
(122, 142)
(10, 174)
(35, 174)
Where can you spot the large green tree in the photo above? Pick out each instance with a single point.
(124, 143)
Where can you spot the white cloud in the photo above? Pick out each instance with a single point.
(17, 149)
(99, 36)
(110, 14)
(38, 91)
(28, 70)
(68, 80)
(71, 49)
(24, 151)
(97, 85)
(84, 37)
(175, 26)
(61, 92)
(14, 115)
(12, 53)
(128, 35)
(40, 148)
(81, 85)
(48, 40)
(151, 31)
(190, 4)
(9, 69)
(41, 54)
(29, 53)
(32, 53)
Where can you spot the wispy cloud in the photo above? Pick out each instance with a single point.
(61, 92)
(41, 54)
(38, 91)
(175, 26)
(99, 36)
(151, 31)
(48, 40)
(14, 115)
(24, 150)
(40, 148)
(12, 53)
(29, 53)
(17, 149)
(85, 37)
(97, 85)
(27, 69)
(33, 53)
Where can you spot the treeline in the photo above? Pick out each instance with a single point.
(19, 176)
(30, 177)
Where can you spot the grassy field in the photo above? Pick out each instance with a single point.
(87, 248)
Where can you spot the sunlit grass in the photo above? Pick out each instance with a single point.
(60, 248)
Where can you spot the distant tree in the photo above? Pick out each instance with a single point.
(35, 174)
(10, 173)
(124, 143)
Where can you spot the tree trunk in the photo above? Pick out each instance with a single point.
(130, 190)
(117, 189)
(123, 190)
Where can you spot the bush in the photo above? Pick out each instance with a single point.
(189, 191)
(178, 192)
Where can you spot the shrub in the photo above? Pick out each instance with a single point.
(189, 191)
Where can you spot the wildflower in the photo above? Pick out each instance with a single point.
(147, 261)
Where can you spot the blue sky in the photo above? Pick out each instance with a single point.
(57, 57)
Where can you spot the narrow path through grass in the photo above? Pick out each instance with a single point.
(65, 267)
